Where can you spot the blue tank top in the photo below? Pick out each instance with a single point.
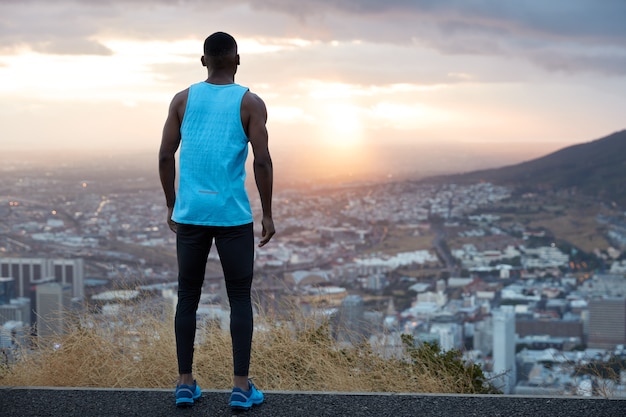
(212, 157)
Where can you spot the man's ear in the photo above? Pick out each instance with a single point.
(203, 61)
(238, 61)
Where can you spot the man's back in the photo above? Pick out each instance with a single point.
(214, 148)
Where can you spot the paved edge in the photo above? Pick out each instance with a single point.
(154, 402)
(334, 393)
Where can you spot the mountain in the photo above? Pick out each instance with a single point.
(596, 169)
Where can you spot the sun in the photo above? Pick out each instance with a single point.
(342, 125)
(338, 117)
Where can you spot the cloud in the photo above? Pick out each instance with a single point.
(606, 63)
(51, 28)
(568, 18)
(575, 31)
(73, 46)
(557, 35)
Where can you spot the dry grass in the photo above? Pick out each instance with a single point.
(90, 356)
(403, 240)
(568, 219)
(141, 354)
(579, 229)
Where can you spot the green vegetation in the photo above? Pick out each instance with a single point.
(427, 358)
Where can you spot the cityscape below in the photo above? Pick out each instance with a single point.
(530, 285)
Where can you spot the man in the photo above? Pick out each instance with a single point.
(213, 121)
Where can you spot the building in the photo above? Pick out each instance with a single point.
(18, 309)
(6, 289)
(53, 300)
(551, 327)
(450, 335)
(607, 322)
(12, 334)
(28, 271)
(483, 336)
(24, 272)
(351, 320)
(69, 272)
(504, 348)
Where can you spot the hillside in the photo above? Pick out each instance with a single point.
(596, 169)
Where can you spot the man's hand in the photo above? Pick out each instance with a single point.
(171, 223)
(268, 230)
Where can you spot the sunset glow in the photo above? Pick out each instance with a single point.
(335, 81)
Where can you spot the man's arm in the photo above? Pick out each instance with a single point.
(254, 115)
(169, 145)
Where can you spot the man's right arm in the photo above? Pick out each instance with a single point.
(170, 141)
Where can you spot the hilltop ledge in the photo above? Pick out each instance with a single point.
(82, 402)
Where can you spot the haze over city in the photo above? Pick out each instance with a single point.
(352, 87)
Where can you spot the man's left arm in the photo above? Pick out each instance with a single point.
(256, 117)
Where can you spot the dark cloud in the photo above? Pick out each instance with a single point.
(574, 31)
(51, 27)
(607, 64)
(581, 19)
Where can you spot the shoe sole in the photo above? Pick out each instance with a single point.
(184, 402)
(239, 406)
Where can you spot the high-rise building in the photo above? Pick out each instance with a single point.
(24, 271)
(70, 272)
(483, 335)
(12, 335)
(559, 328)
(6, 290)
(450, 335)
(351, 326)
(28, 271)
(53, 300)
(18, 309)
(504, 348)
(607, 322)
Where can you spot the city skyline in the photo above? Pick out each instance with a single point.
(432, 261)
(348, 85)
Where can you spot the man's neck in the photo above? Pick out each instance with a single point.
(220, 78)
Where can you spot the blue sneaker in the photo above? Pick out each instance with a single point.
(187, 394)
(244, 400)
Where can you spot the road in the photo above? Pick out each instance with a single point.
(443, 251)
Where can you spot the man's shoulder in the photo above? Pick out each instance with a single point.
(182, 92)
(181, 95)
(252, 99)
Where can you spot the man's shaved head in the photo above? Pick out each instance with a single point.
(220, 44)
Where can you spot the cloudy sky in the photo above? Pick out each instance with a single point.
(349, 84)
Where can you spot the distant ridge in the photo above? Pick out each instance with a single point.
(596, 169)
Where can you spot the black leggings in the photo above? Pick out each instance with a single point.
(235, 247)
